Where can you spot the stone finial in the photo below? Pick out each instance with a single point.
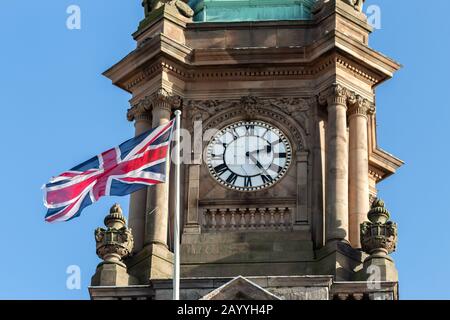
(357, 4)
(378, 236)
(116, 242)
(115, 218)
(180, 5)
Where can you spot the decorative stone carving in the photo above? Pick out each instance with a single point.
(379, 236)
(116, 242)
(159, 99)
(215, 112)
(357, 4)
(338, 94)
(183, 8)
(335, 94)
(249, 219)
(359, 105)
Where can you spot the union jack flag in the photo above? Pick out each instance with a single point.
(133, 165)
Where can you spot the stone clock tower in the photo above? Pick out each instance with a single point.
(279, 186)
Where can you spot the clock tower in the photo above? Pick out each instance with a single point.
(280, 155)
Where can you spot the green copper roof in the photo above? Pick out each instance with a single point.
(250, 10)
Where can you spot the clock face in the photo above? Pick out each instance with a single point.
(249, 156)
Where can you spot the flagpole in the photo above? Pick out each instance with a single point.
(176, 237)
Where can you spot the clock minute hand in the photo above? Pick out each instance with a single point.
(258, 164)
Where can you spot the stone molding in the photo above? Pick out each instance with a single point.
(161, 99)
(375, 174)
(193, 74)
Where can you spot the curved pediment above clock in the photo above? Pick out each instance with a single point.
(289, 114)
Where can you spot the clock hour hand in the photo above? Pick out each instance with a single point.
(267, 149)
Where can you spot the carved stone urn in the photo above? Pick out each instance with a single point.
(378, 236)
(116, 242)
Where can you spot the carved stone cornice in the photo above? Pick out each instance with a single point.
(359, 106)
(161, 99)
(375, 175)
(252, 73)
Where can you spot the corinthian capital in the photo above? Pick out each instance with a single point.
(360, 106)
(335, 94)
(160, 99)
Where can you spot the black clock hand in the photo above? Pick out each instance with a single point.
(267, 149)
(258, 164)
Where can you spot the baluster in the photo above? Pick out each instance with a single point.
(277, 219)
(281, 221)
(206, 216)
(213, 220)
(252, 219)
(272, 217)
(287, 218)
(223, 221)
(242, 223)
(262, 221)
(233, 219)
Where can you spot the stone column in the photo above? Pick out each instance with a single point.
(302, 189)
(141, 115)
(157, 218)
(336, 197)
(358, 167)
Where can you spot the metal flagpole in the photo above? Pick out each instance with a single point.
(176, 229)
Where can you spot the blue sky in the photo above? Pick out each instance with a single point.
(57, 110)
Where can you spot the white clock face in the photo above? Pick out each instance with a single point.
(249, 156)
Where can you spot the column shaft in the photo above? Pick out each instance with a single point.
(158, 195)
(337, 170)
(138, 200)
(358, 173)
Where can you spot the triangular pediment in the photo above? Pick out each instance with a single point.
(240, 288)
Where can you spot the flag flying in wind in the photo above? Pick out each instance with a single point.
(135, 164)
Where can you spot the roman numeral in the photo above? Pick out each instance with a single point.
(280, 155)
(265, 132)
(266, 178)
(250, 130)
(248, 182)
(221, 169)
(232, 178)
(235, 134)
(276, 168)
(217, 156)
(276, 142)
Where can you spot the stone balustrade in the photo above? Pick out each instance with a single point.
(247, 219)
